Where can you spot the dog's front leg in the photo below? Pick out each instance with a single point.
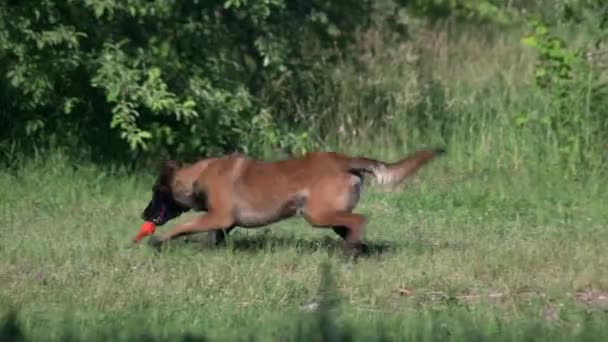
(208, 222)
(214, 237)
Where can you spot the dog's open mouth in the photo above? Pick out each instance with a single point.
(159, 218)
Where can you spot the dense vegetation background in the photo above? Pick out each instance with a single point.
(137, 79)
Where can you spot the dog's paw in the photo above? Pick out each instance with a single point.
(363, 248)
(216, 238)
(355, 250)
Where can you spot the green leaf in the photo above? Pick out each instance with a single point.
(530, 41)
(522, 120)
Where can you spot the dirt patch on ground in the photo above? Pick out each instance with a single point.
(593, 298)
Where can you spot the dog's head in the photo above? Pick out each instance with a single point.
(163, 207)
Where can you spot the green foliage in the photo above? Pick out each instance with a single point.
(573, 80)
(186, 77)
(140, 78)
(493, 11)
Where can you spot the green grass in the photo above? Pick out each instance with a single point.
(505, 256)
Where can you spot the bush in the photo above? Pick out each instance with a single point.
(185, 77)
(571, 76)
(150, 79)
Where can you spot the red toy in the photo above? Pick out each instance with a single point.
(147, 228)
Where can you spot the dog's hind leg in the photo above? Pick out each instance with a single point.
(351, 202)
(343, 223)
(211, 238)
(330, 205)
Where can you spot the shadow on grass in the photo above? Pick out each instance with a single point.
(269, 242)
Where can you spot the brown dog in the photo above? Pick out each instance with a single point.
(235, 190)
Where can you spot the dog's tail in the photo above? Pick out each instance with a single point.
(393, 173)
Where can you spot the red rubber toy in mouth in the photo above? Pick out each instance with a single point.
(147, 228)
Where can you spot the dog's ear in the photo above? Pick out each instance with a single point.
(167, 169)
(169, 165)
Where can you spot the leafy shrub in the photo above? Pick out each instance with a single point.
(573, 80)
(186, 77)
(493, 11)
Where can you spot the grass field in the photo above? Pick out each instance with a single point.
(457, 256)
